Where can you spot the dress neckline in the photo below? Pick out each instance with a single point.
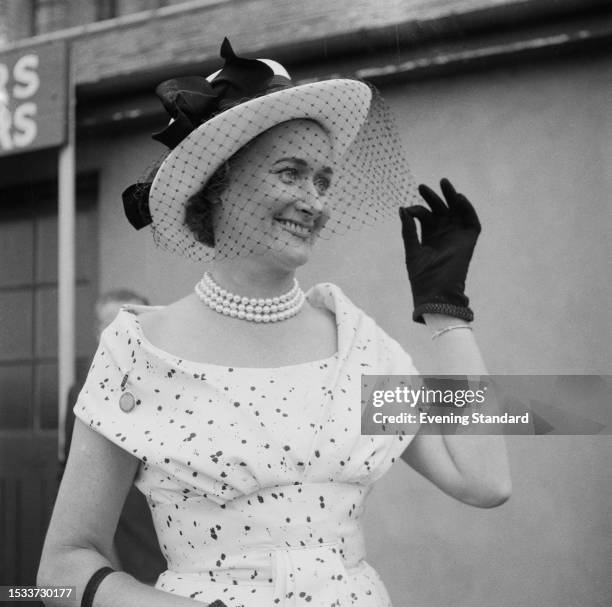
(131, 311)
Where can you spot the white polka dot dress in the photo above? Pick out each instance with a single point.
(256, 477)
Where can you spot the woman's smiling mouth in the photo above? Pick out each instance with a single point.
(295, 228)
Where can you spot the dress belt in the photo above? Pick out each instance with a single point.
(299, 538)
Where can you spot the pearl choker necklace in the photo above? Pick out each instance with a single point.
(269, 309)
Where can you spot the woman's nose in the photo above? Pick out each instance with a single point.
(311, 200)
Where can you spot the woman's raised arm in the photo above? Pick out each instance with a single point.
(79, 541)
(472, 468)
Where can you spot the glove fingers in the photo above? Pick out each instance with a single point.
(425, 216)
(460, 205)
(433, 200)
(409, 232)
(450, 194)
(468, 213)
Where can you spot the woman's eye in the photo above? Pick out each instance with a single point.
(322, 184)
(289, 175)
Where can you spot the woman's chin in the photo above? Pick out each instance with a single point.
(293, 252)
(293, 256)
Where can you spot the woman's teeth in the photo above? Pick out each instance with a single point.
(294, 228)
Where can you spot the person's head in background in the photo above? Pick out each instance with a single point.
(109, 304)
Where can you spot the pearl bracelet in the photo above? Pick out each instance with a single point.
(441, 331)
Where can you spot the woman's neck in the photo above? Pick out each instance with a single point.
(243, 276)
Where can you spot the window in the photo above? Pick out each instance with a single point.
(28, 302)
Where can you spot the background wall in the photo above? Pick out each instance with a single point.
(530, 146)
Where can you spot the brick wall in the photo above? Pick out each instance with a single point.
(15, 20)
(50, 15)
(24, 18)
(126, 7)
(317, 28)
(54, 15)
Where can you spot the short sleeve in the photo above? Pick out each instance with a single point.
(398, 361)
(380, 451)
(109, 379)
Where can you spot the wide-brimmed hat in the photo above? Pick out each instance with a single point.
(214, 117)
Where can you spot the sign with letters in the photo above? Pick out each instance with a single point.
(33, 98)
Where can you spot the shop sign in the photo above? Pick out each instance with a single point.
(33, 110)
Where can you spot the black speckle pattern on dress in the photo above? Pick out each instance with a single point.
(256, 477)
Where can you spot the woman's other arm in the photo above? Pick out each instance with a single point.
(472, 468)
(79, 540)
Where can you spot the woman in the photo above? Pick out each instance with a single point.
(235, 408)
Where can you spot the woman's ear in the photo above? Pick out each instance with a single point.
(215, 198)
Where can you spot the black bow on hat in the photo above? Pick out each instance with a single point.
(192, 100)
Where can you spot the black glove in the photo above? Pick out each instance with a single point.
(437, 266)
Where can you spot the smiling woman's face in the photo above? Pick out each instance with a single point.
(275, 202)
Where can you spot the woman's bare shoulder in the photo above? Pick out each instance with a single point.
(158, 322)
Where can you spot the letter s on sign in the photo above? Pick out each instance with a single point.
(24, 123)
(26, 77)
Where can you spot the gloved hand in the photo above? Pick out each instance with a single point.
(437, 266)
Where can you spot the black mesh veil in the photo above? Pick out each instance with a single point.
(373, 179)
(308, 162)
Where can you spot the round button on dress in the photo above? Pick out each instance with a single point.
(127, 402)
